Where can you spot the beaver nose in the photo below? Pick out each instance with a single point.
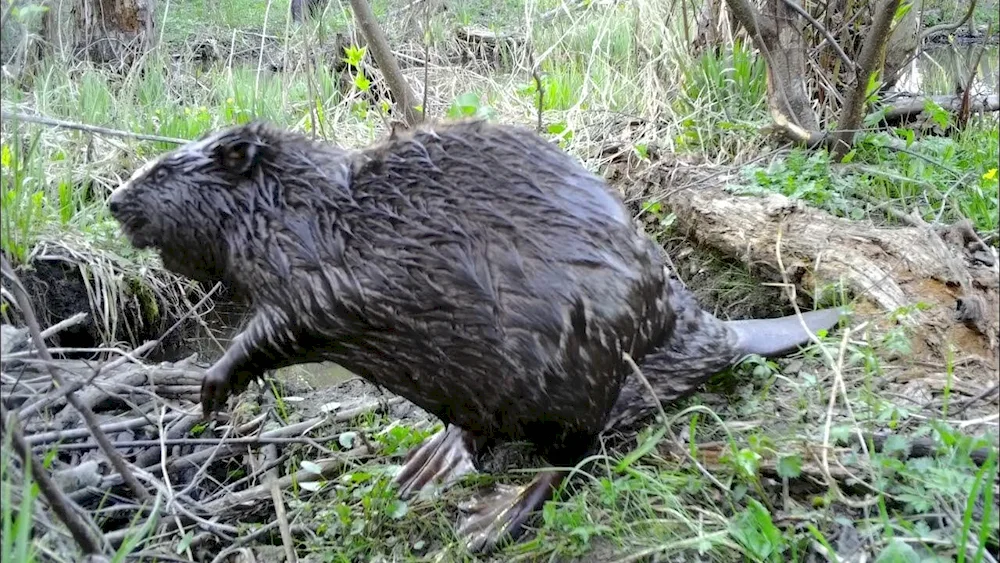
(115, 199)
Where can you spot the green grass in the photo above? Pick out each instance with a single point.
(598, 69)
(947, 179)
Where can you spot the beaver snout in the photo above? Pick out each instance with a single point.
(130, 217)
(117, 199)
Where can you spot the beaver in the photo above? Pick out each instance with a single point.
(472, 268)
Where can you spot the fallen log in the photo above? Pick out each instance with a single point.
(884, 270)
(905, 107)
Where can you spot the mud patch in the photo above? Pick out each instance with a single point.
(125, 304)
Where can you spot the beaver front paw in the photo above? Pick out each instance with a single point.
(215, 389)
(220, 382)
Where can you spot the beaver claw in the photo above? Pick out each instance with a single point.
(214, 391)
(441, 460)
(217, 386)
(501, 515)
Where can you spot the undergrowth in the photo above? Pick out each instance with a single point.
(763, 496)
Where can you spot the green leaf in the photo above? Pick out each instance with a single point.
(645, 447)
(311, 486)
(840, 433)
(465, 105)
(347, 439)
(311, 467)
(184, 543)
(748, 460)
(898, 552)
(790, 466)
(361, 82)
(397, 509)
(354, 55)
(894, 443)
(755, 530)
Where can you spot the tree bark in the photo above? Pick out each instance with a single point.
(109, 31)
(777, 34)
(867, 63)
(902, 45)
(386, 61)
(883, 268)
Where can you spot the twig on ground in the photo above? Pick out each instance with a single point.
(271, 478)
(84, 531)
(328, 469)
(88, 415)
(666, 423)
(971, 401)
(837, 387)
(29, 411)
(63, 325)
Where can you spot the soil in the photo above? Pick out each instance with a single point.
(57, 291)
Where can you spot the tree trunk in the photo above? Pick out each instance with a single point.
(406, 104)
(870, 60)
(113, 31)
(776, 31)
(902, 44)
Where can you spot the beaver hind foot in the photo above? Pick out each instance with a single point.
(500, 516)
(441, 460)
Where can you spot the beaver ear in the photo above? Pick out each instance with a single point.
(239, 156)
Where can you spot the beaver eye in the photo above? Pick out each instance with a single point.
(160, 174)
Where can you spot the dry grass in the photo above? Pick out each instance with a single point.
(780, 477)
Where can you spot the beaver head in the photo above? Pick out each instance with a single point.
(209, 200)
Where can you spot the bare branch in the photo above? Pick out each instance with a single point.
(88, 415)
(947, 27)
(747, 15)
(82, 530)
(822, 29)
(538, 85)
(88, 128)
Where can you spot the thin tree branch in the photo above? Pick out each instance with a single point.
(88, 128)
(851, 114)
(822, 29)
(386, 62)
(947, 27)
(82, 530)
(88, 415)
(747, 15)
(538, 85)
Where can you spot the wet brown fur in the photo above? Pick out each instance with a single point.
(475, 269)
